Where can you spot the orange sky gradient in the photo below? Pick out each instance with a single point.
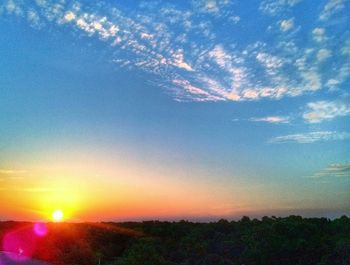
(88, 188)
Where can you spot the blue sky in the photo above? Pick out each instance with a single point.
(249, 99)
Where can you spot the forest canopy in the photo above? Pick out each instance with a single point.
(270, 240)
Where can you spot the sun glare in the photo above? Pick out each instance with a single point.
(57, 215)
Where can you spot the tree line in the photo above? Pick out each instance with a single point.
(271, 240)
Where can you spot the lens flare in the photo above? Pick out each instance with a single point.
(40, 229)
(19, 245)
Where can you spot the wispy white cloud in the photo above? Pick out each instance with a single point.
(311, 137)
(33, 189)
(334, 170)
(323, 54)
(145, 35)
(234, 19)
(274, 7)
(331, 8)
(201, 94)
(325, 110)
(12, 171)
(69, 16)
(179, 61)
(312, 79)
(332, 83)
(11, 174)
(272, 119)
(92, 24)
(12, 7)
(319, 34)
(38, 190)
(209, 6)
(214, 7)
(286, 24)
(33, 18)
(269, 60)
(345, 50)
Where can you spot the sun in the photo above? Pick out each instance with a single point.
(57, 215)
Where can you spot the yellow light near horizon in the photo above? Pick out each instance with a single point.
(57, 216)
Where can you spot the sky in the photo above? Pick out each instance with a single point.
(199, 109)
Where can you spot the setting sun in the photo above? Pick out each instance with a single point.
(57, 215)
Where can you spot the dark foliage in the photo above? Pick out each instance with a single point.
(271, 240)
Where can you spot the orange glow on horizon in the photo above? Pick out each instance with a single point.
(97, 188)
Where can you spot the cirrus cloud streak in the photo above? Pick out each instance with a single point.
(311, 137)
(325, 110)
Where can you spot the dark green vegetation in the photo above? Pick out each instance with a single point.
(291, 240)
